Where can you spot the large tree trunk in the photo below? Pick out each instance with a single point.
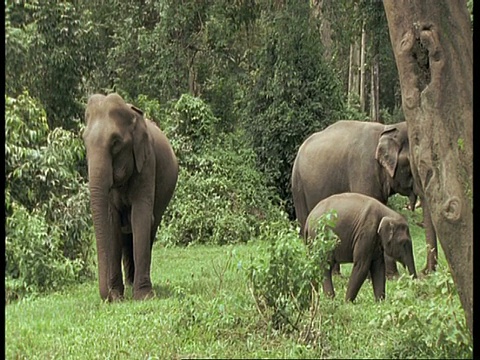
(432, 43)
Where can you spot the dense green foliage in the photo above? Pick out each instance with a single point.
(221, 197)
(49, 239)
(291, 92)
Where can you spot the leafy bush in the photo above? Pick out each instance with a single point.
(285, 282)
(444, 314)
(48, 230)
(220, 197)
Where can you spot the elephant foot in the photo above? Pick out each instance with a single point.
(428, 270)
(115, 295)
(392, 275)
(143, 294)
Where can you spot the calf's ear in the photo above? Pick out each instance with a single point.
(386, 228)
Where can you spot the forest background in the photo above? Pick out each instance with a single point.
(236, 86)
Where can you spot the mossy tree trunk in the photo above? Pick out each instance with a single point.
(432, 43)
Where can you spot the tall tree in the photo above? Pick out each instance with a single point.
(432, 43)
(355, 38)
(291, 92)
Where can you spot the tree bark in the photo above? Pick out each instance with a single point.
(375, 90)
(354, 73)
(432, 43)
(363, 50)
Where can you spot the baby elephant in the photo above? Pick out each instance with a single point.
(366, 228)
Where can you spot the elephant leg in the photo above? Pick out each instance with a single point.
(115, 278)
(328, 283)
(128, 263)
(431, 240)
(336, 269)
(142, 245)
(391, 270)
(357, 278)
(377, 273)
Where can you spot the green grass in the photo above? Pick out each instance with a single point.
(204, 308)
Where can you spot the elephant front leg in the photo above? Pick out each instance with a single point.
(115, 280)
(141, 226)
(128, 263)
(377, 272)
(357, 278)
(391, 270)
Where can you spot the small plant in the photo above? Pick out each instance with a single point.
(284, 284)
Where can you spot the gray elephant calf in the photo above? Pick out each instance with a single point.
(366, 228)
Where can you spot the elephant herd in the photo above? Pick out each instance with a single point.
(351, 166)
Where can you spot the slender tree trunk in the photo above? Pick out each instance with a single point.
(350, 73)
(362, 68)
(353, 73)
(325, 27)
(432, 43)
(375, 91)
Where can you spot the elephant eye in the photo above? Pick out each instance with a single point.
(116, 144)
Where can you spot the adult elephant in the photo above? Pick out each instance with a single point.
(132, 173)
(353, 156)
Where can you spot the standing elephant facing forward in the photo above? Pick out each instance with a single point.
(367, 229)
(132, 173)
(352, 156)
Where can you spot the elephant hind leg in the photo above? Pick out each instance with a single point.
(128, 263)
(328, 289)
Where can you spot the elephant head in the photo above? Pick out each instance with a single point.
(393, 155)
(396, 241)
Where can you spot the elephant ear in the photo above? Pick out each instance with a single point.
(388, 148)
(141, 139)
(385, 230)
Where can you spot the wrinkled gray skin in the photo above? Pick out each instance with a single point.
(367, 229)
(132, 173)
(352, 156)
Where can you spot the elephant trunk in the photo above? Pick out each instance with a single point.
(100, 182)
(409, 262)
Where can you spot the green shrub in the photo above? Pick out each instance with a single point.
(220, 197)
(443, 314)
(285, 282)
(48, 227)
(34, 255)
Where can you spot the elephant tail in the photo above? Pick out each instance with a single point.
(299, 201)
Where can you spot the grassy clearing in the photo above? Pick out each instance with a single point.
(204, 309)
